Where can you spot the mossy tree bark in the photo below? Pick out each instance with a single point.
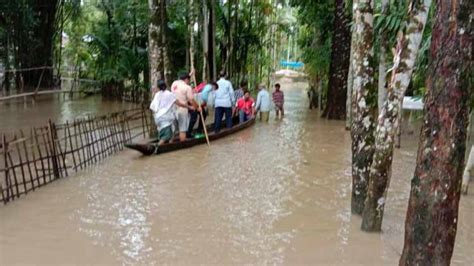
(363, 91)
(339, 67)
(406, 52)
(155, 56)
(432, 215)
(164, 43)
(382, 80)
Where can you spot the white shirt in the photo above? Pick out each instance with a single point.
(163, 108)
(224, 95)
(263, 101)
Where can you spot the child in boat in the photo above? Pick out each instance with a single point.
(245, 107)
(164, 112)
(278, 100)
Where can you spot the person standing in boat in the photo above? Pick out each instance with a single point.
(223, 102)
(263, 103)
(201, 94)
(278, 101)
(164, 112)
(185, 101)
(245, 107)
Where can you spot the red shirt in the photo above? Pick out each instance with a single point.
(199, 87)
(245, 105)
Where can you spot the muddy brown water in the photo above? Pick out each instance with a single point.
(21, 114)
(277, 193)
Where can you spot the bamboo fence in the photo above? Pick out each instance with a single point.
(33, 159)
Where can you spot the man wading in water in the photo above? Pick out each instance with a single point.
(263, 103)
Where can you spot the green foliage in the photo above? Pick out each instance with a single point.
(316, 18)
(423, 59)
(108, 41)
(177, 34)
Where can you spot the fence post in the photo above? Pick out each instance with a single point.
(5, 164)
(123, 120)
(54, 154)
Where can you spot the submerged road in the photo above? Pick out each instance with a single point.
(277, 193)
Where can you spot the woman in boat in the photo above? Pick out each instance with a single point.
(164, 112)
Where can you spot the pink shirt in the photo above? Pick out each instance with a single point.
(278, 98)
(183, 93)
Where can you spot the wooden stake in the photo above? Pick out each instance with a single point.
(7, 178)
(22, 135)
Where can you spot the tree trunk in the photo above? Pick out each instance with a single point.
(432, 215)
(164, 44)
(6, 60)
(382, 82)
(340, 55)
(406, 52)
(190, 28)
(350, 82)
(212, 40)
(205, 41)
(154, 43)
(191, 36)
(362, 91)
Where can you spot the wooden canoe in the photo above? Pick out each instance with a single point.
(151, 147)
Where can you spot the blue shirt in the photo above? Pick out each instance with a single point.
(263, 101)
(205, 92)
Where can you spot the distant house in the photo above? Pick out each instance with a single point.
(412, 103)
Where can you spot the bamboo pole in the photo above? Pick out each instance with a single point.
(199, 103)
(37, 144)
(49, 158)
(15, 178)
(20, 158)
(7, 178)
(52, 146)
(68, 135)
(33, 154)
(22, 135)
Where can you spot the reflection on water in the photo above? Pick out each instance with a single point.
(277, 193)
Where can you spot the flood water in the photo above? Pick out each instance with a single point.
(276, 193)
(21, 114)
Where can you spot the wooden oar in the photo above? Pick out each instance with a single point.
(200, 111)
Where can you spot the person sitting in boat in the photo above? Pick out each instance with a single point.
(164, 112)
(185, 102)
(245, 107)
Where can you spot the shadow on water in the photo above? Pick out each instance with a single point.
(277, 193)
